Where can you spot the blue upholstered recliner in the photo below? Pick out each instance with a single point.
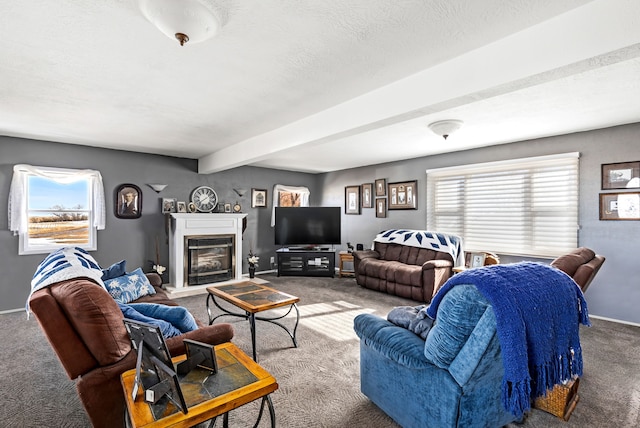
(453, 379)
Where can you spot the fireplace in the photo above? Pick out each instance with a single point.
(209, 259)
(204, 249)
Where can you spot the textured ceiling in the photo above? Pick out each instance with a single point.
(317, 85)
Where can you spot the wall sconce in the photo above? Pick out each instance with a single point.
(157, 187)
(240, 192)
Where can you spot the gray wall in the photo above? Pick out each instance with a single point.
(134, 239)
(615, 293)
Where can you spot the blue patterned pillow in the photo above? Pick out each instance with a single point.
(129, 287)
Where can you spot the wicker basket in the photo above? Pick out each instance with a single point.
(561, 400)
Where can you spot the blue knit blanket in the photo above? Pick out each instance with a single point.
(538, 310)
(437, 241)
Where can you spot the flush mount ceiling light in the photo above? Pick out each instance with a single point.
(185, 20)
(444, 128)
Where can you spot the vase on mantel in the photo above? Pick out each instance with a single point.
(252, 271)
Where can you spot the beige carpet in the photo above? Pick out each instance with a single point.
(319, 380)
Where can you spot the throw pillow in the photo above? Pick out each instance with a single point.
(114, 271)
(129, 287)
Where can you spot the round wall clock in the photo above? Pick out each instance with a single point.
(204, 198)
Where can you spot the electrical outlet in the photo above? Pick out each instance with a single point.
(273, 260)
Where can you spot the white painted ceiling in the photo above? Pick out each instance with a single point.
(317, 85)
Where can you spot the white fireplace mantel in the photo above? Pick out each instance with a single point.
(200, 224)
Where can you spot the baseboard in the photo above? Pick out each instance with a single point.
(10, 311)
(614, 320)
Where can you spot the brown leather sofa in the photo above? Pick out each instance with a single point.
(402, 270)
(84, 326)
(582, 265)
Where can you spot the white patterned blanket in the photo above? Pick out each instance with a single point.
(65, 263)
(451, 244)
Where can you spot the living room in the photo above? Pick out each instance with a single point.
(614, 294)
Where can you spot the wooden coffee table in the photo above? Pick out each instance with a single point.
(252, 298)
(239, 380)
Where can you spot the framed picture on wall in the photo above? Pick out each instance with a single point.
(367, 195)
(352, 200)
(623, 175)
(403, 196)
(258, 198)
(620, 206)
(381, 207)
(381, 187)
(128, 201)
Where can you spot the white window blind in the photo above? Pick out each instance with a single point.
(520, 207)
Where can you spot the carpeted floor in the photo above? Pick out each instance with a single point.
(319, 380)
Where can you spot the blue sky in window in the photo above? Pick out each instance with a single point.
(45, 193)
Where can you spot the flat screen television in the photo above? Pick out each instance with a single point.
(307, 226)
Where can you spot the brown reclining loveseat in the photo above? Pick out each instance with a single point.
(402, 270)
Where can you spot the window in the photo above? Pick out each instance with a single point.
(520, 207)
(50, 208)
(288, 196)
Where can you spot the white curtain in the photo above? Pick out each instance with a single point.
(18, 218)
(302, 191)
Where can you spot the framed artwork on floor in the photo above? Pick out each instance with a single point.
(623, 175)
(403, 195)
(381, 207)
(352, 200)
(620, 206)
(367, 195)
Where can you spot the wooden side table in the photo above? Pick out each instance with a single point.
(239, 380)
(346, 267)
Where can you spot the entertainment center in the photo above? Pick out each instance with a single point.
(306, 262)
(307, 235)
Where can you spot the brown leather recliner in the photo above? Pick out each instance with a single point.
(582, 265)
(84, 326)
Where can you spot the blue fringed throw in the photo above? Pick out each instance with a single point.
(538, 310)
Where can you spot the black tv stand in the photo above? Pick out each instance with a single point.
(306, 261)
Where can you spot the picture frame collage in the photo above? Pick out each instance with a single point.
(382, 196)
(623, 203)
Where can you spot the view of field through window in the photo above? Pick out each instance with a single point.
(58, 212)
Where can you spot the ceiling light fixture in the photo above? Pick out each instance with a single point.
(185, 20)
(444, 128)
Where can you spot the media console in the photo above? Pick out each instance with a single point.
(301, 261)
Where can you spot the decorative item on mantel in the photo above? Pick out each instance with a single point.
(253, 263)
